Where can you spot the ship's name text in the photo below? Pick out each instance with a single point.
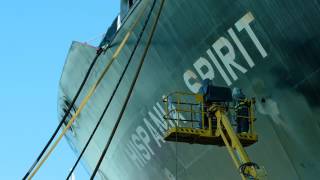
(226, 53)
(139, 149)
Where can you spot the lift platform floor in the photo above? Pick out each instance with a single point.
(200, 136)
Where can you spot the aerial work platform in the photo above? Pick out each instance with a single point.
(214, 119)
(200, 114)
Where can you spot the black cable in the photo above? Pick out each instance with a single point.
(113, 93)
(129, 93)
(65, 115)
(99, 52)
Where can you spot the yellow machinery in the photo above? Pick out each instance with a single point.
(195, 121)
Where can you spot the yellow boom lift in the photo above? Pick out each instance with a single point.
(197, 121)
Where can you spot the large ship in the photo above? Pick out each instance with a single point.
(268, 48)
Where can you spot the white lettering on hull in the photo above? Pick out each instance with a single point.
(202, 63)
(244, 23)
(139, 149)
(225, 51)
(243, 51)
(222, 56)
(219, 67)
(154, 133)
(229, 57)
(191, 80)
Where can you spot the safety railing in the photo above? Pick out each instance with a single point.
(184, 109)
(189, 110)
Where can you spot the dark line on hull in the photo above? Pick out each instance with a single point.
(77, 95)
(129, 93)
(64, 117)
(113, 93)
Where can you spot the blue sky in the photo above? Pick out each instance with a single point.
(35, 37)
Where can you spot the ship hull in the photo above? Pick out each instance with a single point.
(269, 48)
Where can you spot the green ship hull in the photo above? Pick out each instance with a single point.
(269, 48)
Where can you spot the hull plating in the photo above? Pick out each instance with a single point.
(269, 48)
